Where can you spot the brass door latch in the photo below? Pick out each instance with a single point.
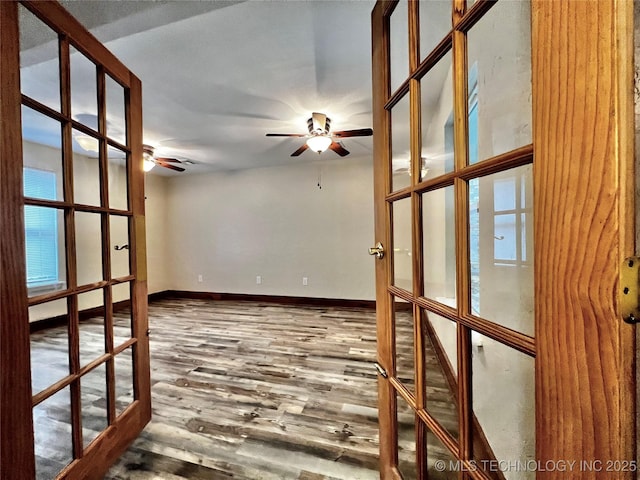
(630, 290)
(378, 250)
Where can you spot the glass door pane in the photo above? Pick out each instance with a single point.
(501, 248)
(52, 434)
(499, 83)
(404, 335)
(39, 61)
(440, 357)
(402, 246)
(441, 464)
(436, 100)
(400, 145)
(399, 29)
(435, 23)
(439, 245)
(503, 408)
(407, 453)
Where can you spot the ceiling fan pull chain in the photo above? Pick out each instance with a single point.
(320, 178)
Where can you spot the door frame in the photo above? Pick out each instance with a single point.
(582, 122)
(16, 421)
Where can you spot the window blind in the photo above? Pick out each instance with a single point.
(41, 228)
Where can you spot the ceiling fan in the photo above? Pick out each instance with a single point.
(151, 161)
(320, 138)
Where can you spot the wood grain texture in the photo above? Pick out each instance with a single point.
(16, 435)
(583, 230)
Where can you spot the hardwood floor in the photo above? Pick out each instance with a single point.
(241, 390)
(258, 391)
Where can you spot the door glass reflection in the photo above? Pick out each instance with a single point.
(41, 156)
(39, 60)
(503, 406)
(84, 90)
(407, 464)
(52, 435)
(439, 340)
(45, 250)
(439, 245)
(436, 98)
(405, 363)
(116, 124)
(400, 145)
(122, 319)
(439, 456)
(88, 247)
(120, 251)
(435, 23)
(93, 386)
(499, 59)
(91, 326)
(501, 248)
(86, 169)
(399, 44)
(402, 246)
(49, 324)
(124, 380)
(118, 190)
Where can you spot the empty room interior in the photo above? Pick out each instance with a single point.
(316, 240)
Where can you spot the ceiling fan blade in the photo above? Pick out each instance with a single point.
(319, 122)
(339, 149)
(170, 160)
(300, 150)
(360, 132)
(286, 134)
(168, 165)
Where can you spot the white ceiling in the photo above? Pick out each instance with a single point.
(217, 76)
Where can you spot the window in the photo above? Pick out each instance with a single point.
(41, 230)
(512, 216)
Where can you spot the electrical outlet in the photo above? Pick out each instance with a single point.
(199, 278)
(258, 280)
(305, 281)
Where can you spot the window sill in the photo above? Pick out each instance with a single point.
(48, 288)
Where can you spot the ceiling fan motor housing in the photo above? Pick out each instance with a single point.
(318, 130)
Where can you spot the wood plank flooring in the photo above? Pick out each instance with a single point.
(241, 390)
(258, 391)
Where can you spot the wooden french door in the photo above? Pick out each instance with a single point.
(504, 205)
(74, 340)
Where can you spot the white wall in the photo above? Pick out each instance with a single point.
(159, 253)
(274, 222)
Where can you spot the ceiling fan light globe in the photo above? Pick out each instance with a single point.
(148, 164)
(319, 143)
(87, 143)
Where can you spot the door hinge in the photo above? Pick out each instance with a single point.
(381, 370)
(630, 290)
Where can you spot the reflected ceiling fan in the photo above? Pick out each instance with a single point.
(151, 161)
(320, 138)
